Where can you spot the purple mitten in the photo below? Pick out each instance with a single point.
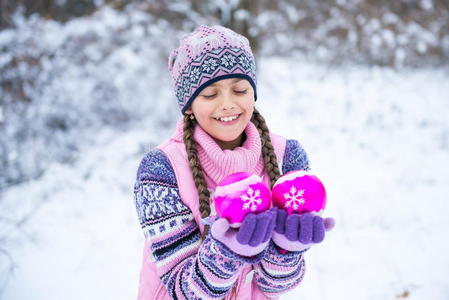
(251, 238)
(298, 232)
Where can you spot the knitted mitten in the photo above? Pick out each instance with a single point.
(251, 238)
(299, 232)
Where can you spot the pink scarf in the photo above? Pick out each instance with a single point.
(218, 163)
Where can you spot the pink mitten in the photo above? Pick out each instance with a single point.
(251, 238)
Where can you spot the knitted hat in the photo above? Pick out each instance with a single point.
(206, 55)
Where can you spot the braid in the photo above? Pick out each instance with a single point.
(271, 164)
(197, 170)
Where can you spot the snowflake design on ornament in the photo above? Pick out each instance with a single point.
(294, 198)
(252, 198)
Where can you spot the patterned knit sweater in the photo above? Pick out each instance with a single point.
(189, 268)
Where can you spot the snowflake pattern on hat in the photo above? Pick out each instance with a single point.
(206, 55)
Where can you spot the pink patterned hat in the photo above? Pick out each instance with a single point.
(206, 55)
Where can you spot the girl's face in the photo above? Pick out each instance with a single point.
(223, 110)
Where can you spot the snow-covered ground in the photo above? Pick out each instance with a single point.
(379, 139)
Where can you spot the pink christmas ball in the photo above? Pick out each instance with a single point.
(299, 192)
(239, 194)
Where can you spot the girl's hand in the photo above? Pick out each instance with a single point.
(253, 235)
(297, 232)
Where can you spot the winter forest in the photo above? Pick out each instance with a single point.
(85, 93)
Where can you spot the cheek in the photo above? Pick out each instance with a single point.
(248, 104)
(201, 110)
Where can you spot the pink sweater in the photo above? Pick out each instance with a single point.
(176, 265)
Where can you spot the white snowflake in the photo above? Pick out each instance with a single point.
(195, 74)
(210, 65)
(244, 61)
(252, 196)
(228, 60)
(294, 198)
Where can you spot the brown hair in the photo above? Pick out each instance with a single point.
(271, 164)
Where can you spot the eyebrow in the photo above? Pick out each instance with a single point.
(235, 80)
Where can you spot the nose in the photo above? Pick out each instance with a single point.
(227, 102)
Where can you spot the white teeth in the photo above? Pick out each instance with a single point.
(228, 119)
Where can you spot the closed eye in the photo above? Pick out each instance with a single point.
(241, 92)
(209, 96)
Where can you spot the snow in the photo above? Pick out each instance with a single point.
(80, 76)
(378, 138)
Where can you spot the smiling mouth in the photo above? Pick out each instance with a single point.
(228, 119)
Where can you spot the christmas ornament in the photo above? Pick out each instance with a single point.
(299, 192)
(239, 194)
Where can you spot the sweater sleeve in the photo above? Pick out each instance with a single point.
(189, 268)
(278, 273)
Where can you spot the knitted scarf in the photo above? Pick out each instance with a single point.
(218, 163)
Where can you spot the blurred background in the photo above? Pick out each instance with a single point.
(85, 93)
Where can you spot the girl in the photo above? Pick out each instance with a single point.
(187, 254)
